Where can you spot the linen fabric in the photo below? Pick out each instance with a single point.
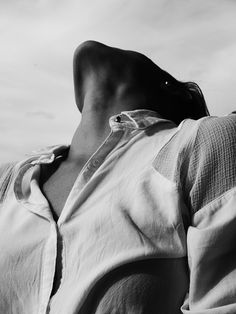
(151, 191)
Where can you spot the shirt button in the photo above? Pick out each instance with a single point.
(95, 162)
(118, 119)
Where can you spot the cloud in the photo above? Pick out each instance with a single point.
(193, 40)
(220, 81)
(40, 114)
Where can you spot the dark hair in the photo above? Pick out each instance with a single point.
(197, 101)
(175, 100)
(182, 100)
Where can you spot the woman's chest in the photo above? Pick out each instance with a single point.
(56, 188)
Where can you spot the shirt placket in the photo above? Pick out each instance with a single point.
(49, 266)
(89, 169)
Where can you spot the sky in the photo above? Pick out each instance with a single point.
(192, 39)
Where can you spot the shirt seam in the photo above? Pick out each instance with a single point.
(187, 149)
(217, 199)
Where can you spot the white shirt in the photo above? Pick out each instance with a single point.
(152, 190)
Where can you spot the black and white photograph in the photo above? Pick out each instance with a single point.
(117, 162)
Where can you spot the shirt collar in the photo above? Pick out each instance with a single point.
(48, 154)
(136, 119)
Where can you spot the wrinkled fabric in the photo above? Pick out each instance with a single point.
(151, 191)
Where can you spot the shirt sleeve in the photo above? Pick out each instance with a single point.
(209, 183)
